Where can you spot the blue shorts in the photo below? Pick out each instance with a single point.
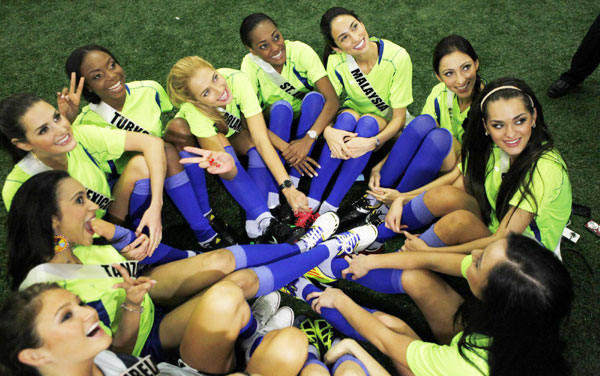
(153, 347)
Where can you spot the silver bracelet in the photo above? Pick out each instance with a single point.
(127, 308)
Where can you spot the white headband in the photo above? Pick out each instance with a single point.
(502, 88)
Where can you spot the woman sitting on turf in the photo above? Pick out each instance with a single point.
(512, 180)
(375, 78)
(218, 109)
(59, 241)
(416, 156)
(293, 86)
(508, 326)
(137, 107)
(49, 331)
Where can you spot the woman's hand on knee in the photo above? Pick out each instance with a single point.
(385, 195)
(359, 146)
(336, 140)
(152, 220)
(393, 219)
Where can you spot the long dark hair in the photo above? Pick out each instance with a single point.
(453, 43)
(249, 23)
(73, 64)
(477, 147)
(523, 305)
(17, 324)
(326, 20)
(12, 110)
(30, 239)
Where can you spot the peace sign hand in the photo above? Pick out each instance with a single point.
(135, 288)
(68, 100)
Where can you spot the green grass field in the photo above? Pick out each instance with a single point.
(532, 40)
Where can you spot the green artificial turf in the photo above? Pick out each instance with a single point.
(532, 40)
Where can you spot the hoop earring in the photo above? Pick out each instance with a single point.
(60, 243)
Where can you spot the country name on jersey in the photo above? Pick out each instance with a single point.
(365, 86)
(130, 266)
(289, 89)
(98, 198)
(233, 122)
(125, 124)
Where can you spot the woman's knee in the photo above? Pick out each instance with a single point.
(422, 125)
(287, 345)
(221, 259)
(346, 121)
(224, 298)
(179, 134)
(417, 282)
(136, 168)
(367, 126)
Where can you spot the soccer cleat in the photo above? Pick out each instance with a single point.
(264, 307)
(223, 230)
(214, 243)
(321, 230)
(356, 212)
(318, 275)
(278, 232)
(283, 318)
(324, 332)
(283, 212)
(356, 239)
(375, 218)
(374, 248)
(305, 324)
(305, 219)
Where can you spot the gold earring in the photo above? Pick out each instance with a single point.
(60, 243)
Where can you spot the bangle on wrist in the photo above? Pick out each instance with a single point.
(128, 308)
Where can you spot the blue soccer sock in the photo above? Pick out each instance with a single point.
(139, 200)
(405, 149)
(250, 255)
(365, 127)
(281, 116)
(426, 164)
(415, 215)
(348, 358)
(162, 255)
(249, 329)
(387, 281)
(346, 122)
(312, 105)
(431, 238)
(332, 315)
(273, 276)
(313, 358)
(180, 190)
(260, 174)
(198, 179)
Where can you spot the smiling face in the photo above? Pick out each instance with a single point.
(76, 213)
(483, 262)
(458, 72)
(349, 35)
(47, 132)
(104, 76)
(268, 43)
(210, 88)
(68, 330)
(509, 124)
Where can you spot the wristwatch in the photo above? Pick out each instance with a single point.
(287, 183)
(312, 134)
(377, 142)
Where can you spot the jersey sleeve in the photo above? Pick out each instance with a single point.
(464, 265)
(246, 95)
(104, 144)
(430, 359)
(335, 79)
(13, 182)
(546, 185)
(249, 69)
(401, 89)
(311, 63)
(200, 125)
(161, 97)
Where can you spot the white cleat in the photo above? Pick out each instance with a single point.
(356, 239)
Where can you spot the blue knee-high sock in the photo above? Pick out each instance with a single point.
(245, 192)
(249, 329)
(250, 255)
(348, 358)
(346, 122)
(280, 119)
(273, 276)
(162, 255)
(312, 105)
(180, 190)
(260, 174)
(365, 127)
(198, 179)
(139, 200)
(387, 281)
(404, 149)
(431, 238)
(415, 215)
(332, 315)
(426, 164)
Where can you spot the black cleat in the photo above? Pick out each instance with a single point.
(284, 212)
(223, 231)
(355, 214)
(278, 232)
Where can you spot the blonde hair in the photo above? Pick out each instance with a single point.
(179, 91)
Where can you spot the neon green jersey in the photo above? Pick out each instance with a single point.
(447, 117)
(144, 104)
(244, 102)
(550, 200)
(391, 79)
(96, 147)
(100, 294)
(302, 69)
